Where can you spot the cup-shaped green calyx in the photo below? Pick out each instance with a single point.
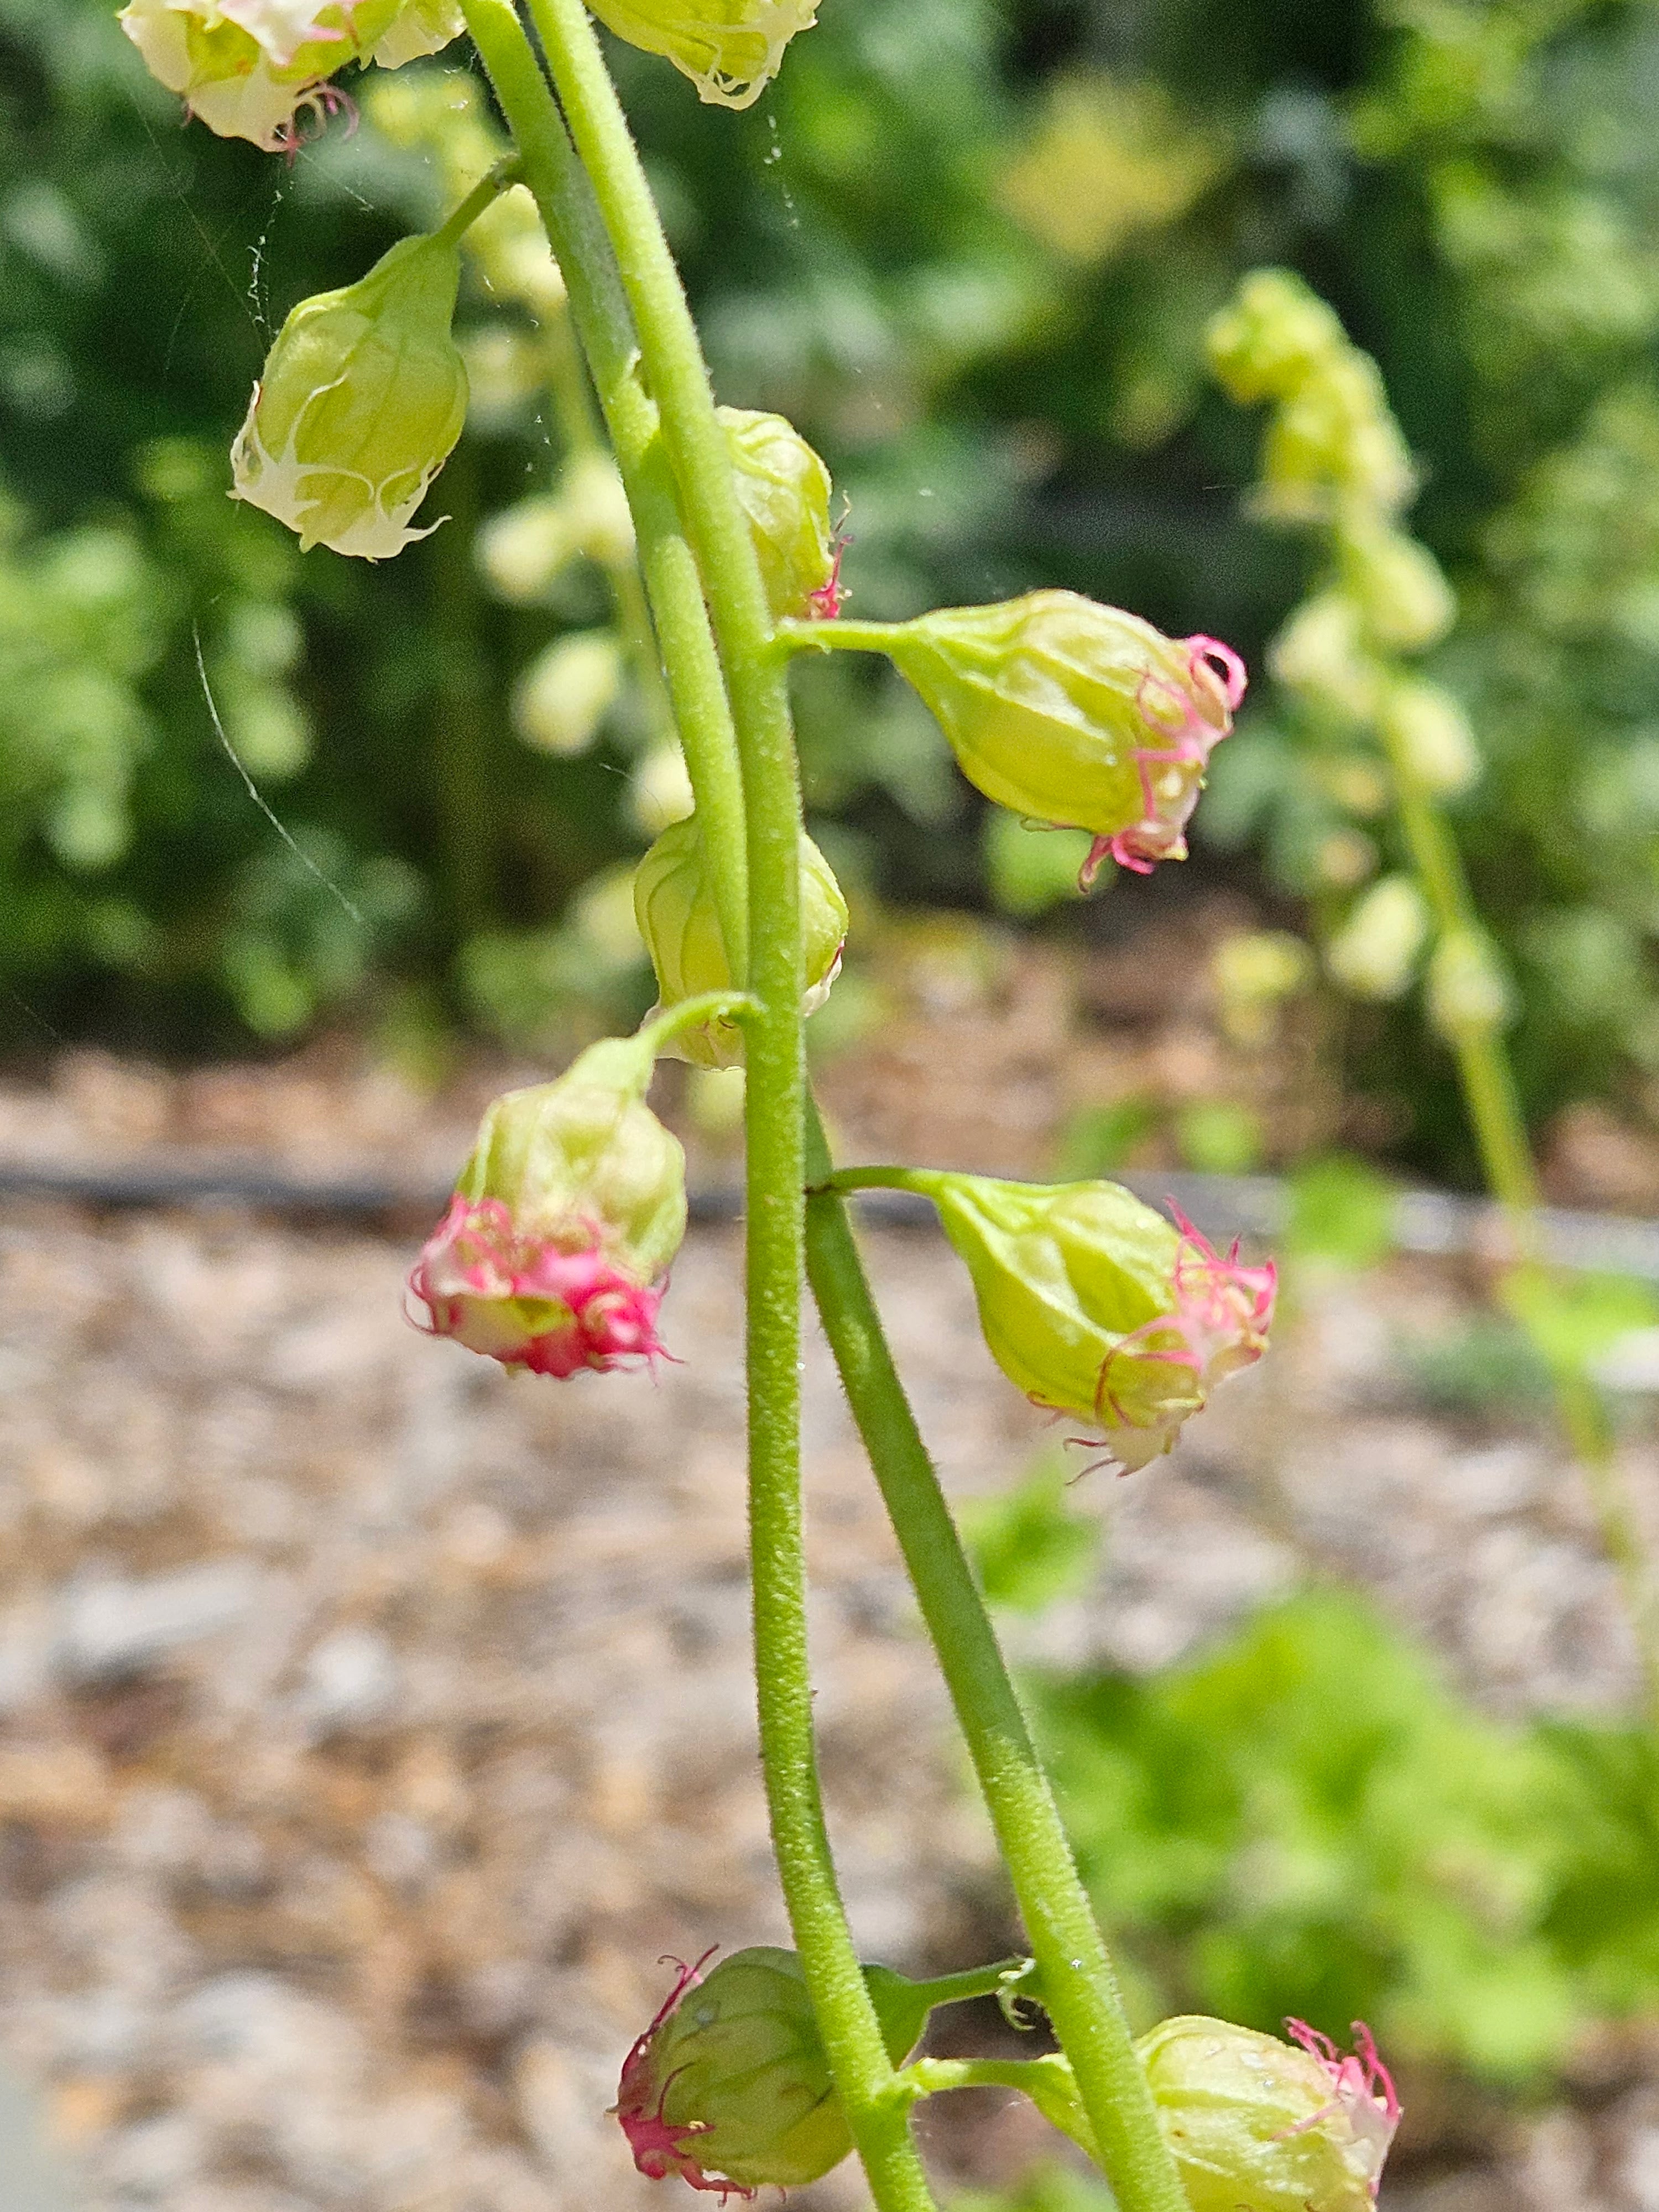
(729, 2087)
(785, 489)
(256, 69)
(674, 906)
(362, 398)
(1094, 1306)
(1255, 2124)
(1077, 714)
(730, 49)
(555, 1251)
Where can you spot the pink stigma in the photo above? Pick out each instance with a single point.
(829, 599)
(658, 2145)
(476, 1267)
(318, 104)
(1361, 2091)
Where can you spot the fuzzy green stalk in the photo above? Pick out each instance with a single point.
(1075, 1982)
(604, 326)
(1511, 1176)
(670, 359)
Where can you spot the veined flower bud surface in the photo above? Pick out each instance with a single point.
(362, 398)
(555, 1251)
(784, 488)
(674, 905)
(1094, 1306)
(729, 2087)
(1267, 2126)
(730, 49)
(1077, 714)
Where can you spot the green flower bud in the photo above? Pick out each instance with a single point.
(555, 1251)
(362, 399)
(1334, 448)
(1428, 726)
(1470, 995)
(674, 904)
(1402, 595)
(1077, 714)
(564, 695)
(1374, 954)
(1257, 2126)
(729, 2087)
(1094, 1306)
(1271, 336)
(784, 488)
(730, 49)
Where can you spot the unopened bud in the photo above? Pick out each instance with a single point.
(555, 1251)
(1254, 971)
(1320, 655)
(1432, 730)
(674, 903)
(1096, 1306)
(1374, 954)
(729, 2087)
(523, 550)
(784, 488)
(1333, 445)
(1272, 335)
(730, 49)
(1401, 593)
(1254, 2122)
(591, 493)
(1470, 995)
(564, 695)
(421, 28)
(362, 398)
(1077, 714)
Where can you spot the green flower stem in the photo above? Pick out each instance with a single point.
(839, 634)
(1076, 1984)
(973, 1981)
(1048, 2082)
(485, 194)
(1511, 1175)
(690, 1013)
(672, 365)
(599, 310)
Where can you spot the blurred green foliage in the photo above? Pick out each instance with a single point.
(1304, 1820)
(971, 253)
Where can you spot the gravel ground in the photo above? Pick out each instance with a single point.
(372, 1720)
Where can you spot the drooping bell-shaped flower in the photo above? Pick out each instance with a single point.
(674, 906)
(362, 398)
(1255, 2122)
(255, 68)
(729, 2087)
(1077, 714)
(1094, 1306)
(555, 1251)
(785, 491)
(730, 49)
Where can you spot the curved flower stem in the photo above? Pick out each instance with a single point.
(671, 360)
(600, 312)
(485, 194)
(689, 1013)
(1048, 2082)
(1511, 1175)
(1076, 1984)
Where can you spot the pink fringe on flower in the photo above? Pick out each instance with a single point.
(1223, 1312)
(1176, 714)
(658, 2146)
(476, 1259)
(1363, 2091)
(318, 104)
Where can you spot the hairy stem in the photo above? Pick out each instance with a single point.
(605, 324)
(1076, 1984)
(672, 362)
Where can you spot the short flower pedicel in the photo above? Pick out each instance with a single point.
(362, 398)
(1253, 2122)
(729, 2087)
(555, 1251)
(1093, 1304)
